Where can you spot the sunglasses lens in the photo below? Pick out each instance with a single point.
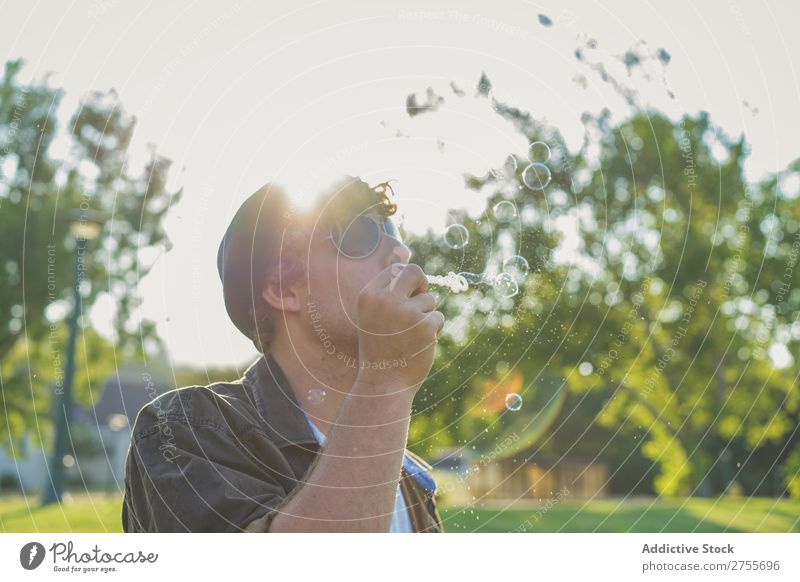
(390, 228)
(359, 238)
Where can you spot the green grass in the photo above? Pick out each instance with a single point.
(87, 512)
(98, 512)
(722, 514)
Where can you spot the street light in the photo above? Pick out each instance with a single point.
(116, 440)
(85, 225)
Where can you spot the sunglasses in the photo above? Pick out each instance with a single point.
(362, 236)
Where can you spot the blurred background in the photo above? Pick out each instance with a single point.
(621, 182)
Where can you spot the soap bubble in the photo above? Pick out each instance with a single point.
(539, 152)
(536, 176)
(505, 285)
(471, 278)
(456, 236)
(507, 170)
(505, 211)
(517, 266)
(456, 283)
(316, 395)
(513, 402)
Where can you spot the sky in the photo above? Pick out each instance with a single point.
(241, 93)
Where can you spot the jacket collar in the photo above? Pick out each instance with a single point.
(287, 424)
(276, 403)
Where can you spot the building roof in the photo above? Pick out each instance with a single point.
(123, 394)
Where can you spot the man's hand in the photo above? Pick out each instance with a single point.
(353, 485)
(398, 321)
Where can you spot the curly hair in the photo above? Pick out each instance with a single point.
(347, 198)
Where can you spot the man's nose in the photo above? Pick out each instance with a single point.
(400, 254)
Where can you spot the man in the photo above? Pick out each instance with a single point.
(313, 437)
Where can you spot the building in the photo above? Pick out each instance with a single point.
(540, 477)
(100, 436)
(462, 479)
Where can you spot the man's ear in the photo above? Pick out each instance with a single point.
(284, 291)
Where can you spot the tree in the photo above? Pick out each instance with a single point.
(682, 342)
(683, 284)
(38, 190)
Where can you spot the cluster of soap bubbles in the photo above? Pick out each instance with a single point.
(456, 282)
(456, 236)
(536, 176)
(517, 267)
(505, 284)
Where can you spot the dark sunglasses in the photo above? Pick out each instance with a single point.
(362, 236)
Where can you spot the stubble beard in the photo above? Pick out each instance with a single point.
(328, 317)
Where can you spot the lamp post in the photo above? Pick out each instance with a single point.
(116, 440)
(84, 225)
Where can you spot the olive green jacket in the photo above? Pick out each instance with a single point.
(228, 457)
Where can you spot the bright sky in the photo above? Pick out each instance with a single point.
(240, 93)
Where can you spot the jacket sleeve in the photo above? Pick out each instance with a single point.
(190, 472)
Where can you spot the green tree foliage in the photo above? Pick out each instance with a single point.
(38, 190)
(684, 280)
(684, 332)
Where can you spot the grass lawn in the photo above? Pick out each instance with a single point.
(95, 512)
(722, 514)
(99, 512)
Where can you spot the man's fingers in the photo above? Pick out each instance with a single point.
(410, 280)
(384, 278)
(436, 319)
(424, 302)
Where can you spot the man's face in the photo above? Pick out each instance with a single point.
(334, 281)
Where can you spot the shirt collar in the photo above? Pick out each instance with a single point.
(413, 468)
(287, 423)
(276, 403)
